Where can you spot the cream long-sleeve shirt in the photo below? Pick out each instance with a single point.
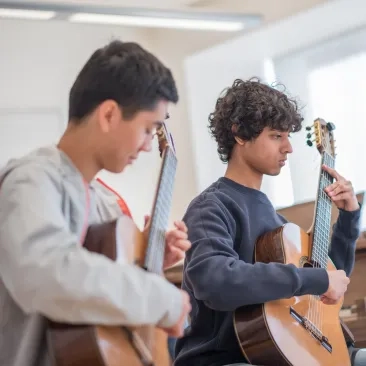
(46, 273)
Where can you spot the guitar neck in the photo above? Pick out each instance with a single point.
(160, 213)
(323, 216)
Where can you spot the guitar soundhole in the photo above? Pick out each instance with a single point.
(306, 263)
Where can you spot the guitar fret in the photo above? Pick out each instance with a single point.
(156, 243)
(322, 216)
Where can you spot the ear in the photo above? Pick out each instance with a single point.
(239, 140)
(234, 130)
(109, 115)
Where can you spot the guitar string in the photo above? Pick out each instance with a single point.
(157, 236)
(156, 247)
(157, 232)
(327, 204)
(311, 307)
(320, 242)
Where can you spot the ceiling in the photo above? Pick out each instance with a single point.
(269, 9)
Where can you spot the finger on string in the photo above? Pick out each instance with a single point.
(340, 189)
(181, 225)
(331, 187)
(146, 219)
(340, 196)
(332, 172)
(180, 244)
(176, 235)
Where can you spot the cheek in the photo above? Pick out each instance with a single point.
(263, 157)
(138, 141)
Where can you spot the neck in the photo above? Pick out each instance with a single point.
(243, 174)
(78, 148)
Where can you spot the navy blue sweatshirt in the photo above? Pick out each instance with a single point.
(224, 223)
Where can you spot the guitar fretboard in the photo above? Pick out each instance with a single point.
(323, 215)
(160, 214)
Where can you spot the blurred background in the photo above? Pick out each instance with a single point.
(316, 48)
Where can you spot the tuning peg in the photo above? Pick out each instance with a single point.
(330, 126)
(310, 142)
(308, 135)
(308, 128)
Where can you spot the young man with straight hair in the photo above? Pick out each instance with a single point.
(252, 123)
(49, 197)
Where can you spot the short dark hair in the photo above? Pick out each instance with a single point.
(251, 106)
(126, 73)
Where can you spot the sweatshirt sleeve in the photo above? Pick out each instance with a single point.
(346, 231)
(222, 281)
(47, 271)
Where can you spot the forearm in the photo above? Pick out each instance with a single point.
(343, 244)
(225, 284)
(76, 286)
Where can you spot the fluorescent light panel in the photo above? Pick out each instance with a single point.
(26, 14)
(157, 22)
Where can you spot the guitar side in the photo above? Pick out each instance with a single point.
(81, 345)
(271, 333)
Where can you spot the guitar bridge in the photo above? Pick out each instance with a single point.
(312, 329)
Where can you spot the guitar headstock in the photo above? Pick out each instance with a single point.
(165, 139)
(324, 136)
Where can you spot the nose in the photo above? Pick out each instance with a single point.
(147, 144)
(287, 148)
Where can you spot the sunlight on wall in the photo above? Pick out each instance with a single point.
(338, 91)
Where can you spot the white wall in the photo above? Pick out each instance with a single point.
(210, 71)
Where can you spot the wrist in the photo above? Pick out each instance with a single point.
(352, 206)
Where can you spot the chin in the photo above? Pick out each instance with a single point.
(120, 170)
(274, 173)
(116, 170)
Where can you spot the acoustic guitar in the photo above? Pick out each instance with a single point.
(298, 331)
(121, 240)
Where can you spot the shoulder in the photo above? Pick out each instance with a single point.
(211, 198)
(36, 174)
(220, 197)
(210, 207)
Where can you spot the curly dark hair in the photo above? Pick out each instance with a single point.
(251, 106)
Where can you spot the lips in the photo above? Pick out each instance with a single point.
(283, 162)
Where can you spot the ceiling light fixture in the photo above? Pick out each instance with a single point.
(157, 22)
(26, 14)
(78, 12)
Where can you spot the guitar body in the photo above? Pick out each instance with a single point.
(272, 333)
(81, 345)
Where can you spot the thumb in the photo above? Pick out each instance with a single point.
(146, 220)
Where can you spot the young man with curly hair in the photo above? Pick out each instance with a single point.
(251, 124)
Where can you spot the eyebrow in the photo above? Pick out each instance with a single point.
(158, 123)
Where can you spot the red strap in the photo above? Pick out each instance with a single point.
(122, 204)
(87, 209)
